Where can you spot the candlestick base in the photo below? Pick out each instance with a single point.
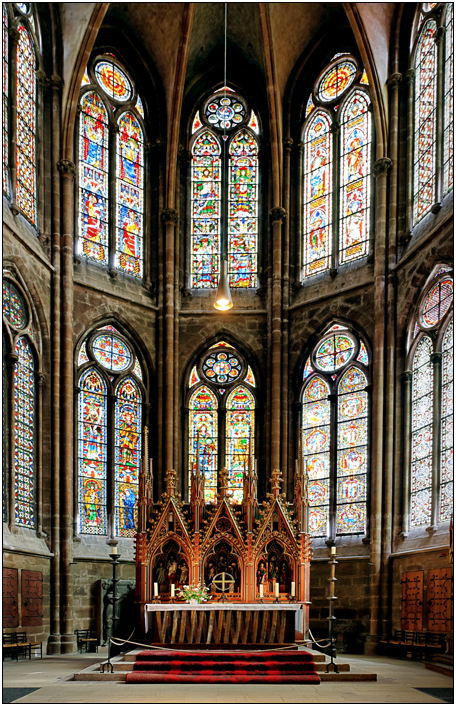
(156, 600)
(277, 600)
(291, 599)
(259, 599)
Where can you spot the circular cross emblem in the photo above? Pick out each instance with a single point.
(223, 582)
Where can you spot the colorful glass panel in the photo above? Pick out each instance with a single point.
(137, 370)
(437, 302)
(113, 81)
(250, 377)
(206, 186)
(111, 352)
(240, 429)
(139, 107)
(85, 79)
(221, 344)
(446, 430)
(225, 112)
(222, 367)
(243, 211)
(448, 120)
(92, 456)
(422, 434)
(93, 179)
(23, 7)
(130, 196)
(24, 435)
(425, 121)
(26, 126)
(355, 161)
(364, 80)
(308, 369)
(196, 123)
(5, 86)
(127, 456)
(352, 437)
(336, 80)
(203, 419)
(310, 106)
(363, 356)
(83, 357)
(14, 309)
(317, 194)
(316, 452)
(253, 123)
(5, 427)
(334, 352)
(194, 377)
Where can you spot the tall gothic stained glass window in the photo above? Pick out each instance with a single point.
(221, 403)
(224, 192)
(110, 427)
(118, 242)
(5, 90)
(335, 411)
(431, 471)
(26, 125)
(448, 120)
(337, 122)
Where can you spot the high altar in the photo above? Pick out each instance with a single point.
(260, 545)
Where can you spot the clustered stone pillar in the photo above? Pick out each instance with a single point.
(276, 217)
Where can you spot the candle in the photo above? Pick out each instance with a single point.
(173, 588)
(261, 590)
(292, 592)
(155, 589)
(114, 550)
(276, 589)
(333, 550)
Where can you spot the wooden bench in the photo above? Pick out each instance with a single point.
(84, 638)
(17, 644)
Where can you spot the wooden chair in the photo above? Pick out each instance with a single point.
(9, 645)
(419, 646)
(406, 644)
(25, 645)
(85, 639)
(433, 644)
(394, 644)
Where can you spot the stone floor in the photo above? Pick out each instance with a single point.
(399, 681)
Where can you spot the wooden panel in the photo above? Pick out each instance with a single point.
(439, 592)
(10, 599)
(412, 600)
(32, 598)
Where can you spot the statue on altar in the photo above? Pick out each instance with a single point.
(172, 569)
(182, 578)
(261, 573)
(161, 573)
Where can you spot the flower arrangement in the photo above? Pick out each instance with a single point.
(194, 594)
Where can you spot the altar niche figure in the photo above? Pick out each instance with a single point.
(261, 573)
(182, 573)
(233, 569)
(161, 575)
(221, 564)
(172, 569)
(284, 576)
(210, 573)
(273, 574)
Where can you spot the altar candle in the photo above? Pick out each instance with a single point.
(276, 589)
(155, 589)
(292, 592)
(261, 590)
(333, 550)
(173, 588)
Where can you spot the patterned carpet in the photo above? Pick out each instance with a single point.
(270, 667)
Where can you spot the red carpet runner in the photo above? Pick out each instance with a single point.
(271, 667)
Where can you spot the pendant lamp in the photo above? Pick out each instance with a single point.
(223, 301)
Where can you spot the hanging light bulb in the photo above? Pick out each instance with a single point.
(223, 301)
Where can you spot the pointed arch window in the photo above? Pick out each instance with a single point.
(111, 169)
(224, 196)
(432, 55)
(110, 419)
(20, 124)
(431, 410)
(221, 420)
(337, 191)
(335, 439)
(19, 378)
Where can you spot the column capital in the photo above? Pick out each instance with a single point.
(14, 36)
(170, 215)
(439, 35)
(300, 146)
(410, 75)
(11, 358)
(277, 214)
(407, 376)
(56, 81)
(335, 127)
(40, 378)
(67, 168)
(394, 80)
(381, 166)
(288, 142)
(42, 78)
(436, 358)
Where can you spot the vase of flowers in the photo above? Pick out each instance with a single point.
(194, 594)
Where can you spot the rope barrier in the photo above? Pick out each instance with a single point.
(317, 642)
(119, 642)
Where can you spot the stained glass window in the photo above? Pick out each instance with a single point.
(14, 309)
(352, 436)
(437, 302)
(317, 194)
(24, 434)
(93, 178)
(92, 456)
(130, 195)
(243, 211)
(139, 107)
(203, 431)
(253, 123)
(363, 356)
(206, 194)
(5, 435)
(448, 121)
(222, 367)
(422, 434)
(336, 80)
(334, 352)
(240, 421)
(137, 370)
(225, 112)
(316, 418)
(127, 455)
(194, 377)
(250, 378)
(355, 163)
(111, 352)
(5, 82)
(425, 121)
(26, 125)
(113, 81)
(446, 433)
(83, 357)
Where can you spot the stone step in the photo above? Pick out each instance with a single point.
(350, 676)
(446, 669)
(319, 667)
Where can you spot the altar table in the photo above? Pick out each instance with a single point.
(228, 623)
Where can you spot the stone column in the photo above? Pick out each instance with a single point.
(299, 223)
(285, 432)
(276, 217)
(436, 360)
(403, 478)
(380, 170)
(14, 37)
(68, 640)
(170, 219)
(410, 76)
(43, 83)
(54, 638)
